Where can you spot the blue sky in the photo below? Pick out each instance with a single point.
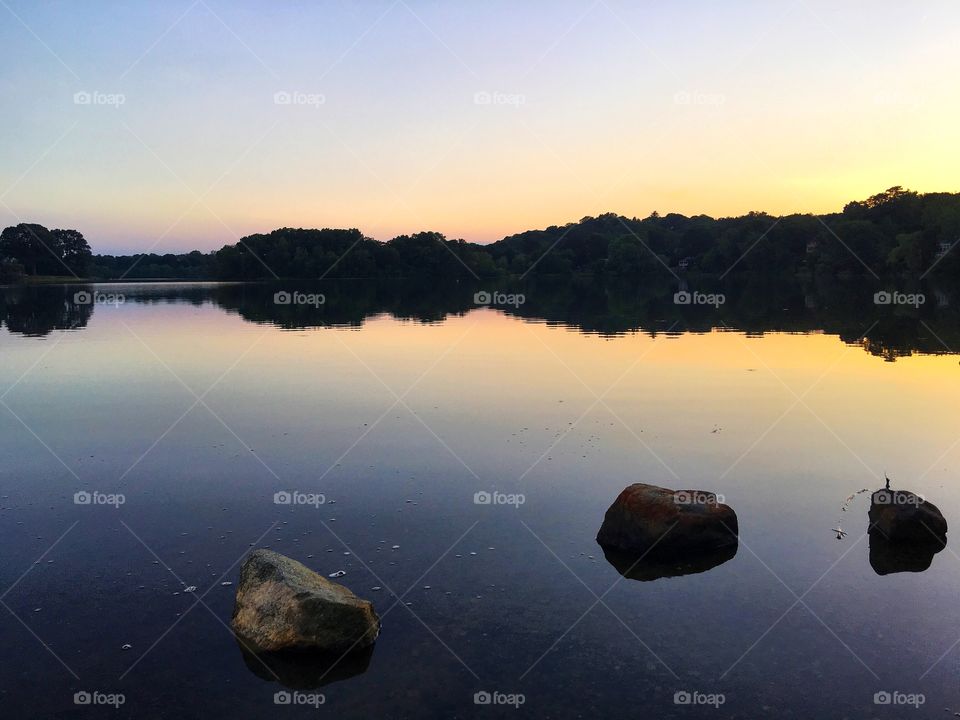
(473, 119)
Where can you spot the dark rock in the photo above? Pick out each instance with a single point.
(662, 522)
(283, 605)
(905, 532)
(901, 516)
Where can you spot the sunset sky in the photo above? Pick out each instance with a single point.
(166, 126)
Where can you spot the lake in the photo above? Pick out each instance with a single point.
(456, 461)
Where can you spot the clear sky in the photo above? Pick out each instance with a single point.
(165, 125)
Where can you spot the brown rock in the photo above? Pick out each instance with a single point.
(283, 605)
(650, 518)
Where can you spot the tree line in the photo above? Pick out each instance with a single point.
(30, 249)
(896, 233)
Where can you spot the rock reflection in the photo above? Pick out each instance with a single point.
(905, 532)
(654, 567)
(306, 670)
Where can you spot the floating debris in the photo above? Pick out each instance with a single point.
(843, 508)
(190, 588)
(375, 588)
(338, 573)
(126, 646)
(226, 584)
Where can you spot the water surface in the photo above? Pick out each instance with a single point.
(198, 403)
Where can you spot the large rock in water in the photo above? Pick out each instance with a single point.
(905, 532)
(283, 605)
(646, 518)
(901, 516)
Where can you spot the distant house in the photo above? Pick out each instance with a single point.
(944, 248)
(812, 246)
(685, 263)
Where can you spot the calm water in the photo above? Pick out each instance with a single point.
(199, 403)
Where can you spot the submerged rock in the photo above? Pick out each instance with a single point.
(905, 532)
(647, 518)
(283, 605)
